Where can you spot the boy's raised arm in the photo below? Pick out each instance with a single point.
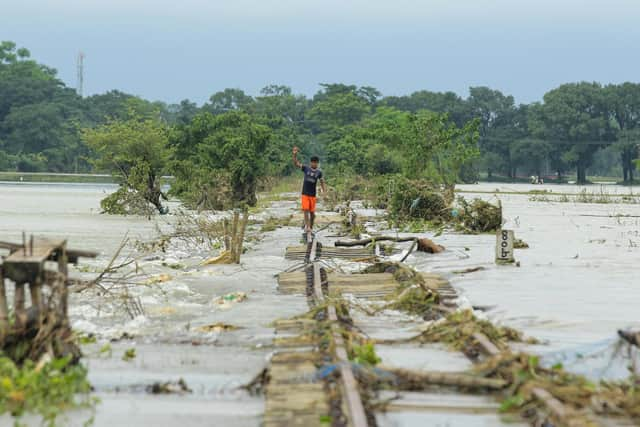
(295, 158)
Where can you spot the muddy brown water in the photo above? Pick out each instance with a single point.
(576, 285)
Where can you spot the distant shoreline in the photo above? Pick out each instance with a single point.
(50, 177)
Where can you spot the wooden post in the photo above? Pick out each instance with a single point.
(35, 289)
(234, 232)
(227, 237)
(63, 269)
(18, 304)
(240, 239)
(4, 310)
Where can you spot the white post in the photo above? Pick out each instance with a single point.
(504, 247)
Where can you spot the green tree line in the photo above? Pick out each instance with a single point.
(577, 129)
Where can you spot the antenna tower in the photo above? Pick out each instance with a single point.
(80, 76)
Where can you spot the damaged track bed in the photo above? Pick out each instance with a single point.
(311, 380)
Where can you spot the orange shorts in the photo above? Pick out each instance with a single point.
(308, 203)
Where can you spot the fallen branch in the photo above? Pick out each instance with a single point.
(364, 242)
(424, 244)
(417, 380)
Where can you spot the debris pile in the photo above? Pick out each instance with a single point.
(459, 328)
(479, 216)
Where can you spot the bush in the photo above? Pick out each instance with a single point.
(46, 389)
(407, 199)
(480, 216)
(31, 163)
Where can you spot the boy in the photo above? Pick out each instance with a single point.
(311, 177)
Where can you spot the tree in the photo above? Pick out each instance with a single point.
(220, 154)
(436, 149)
(284, 113)
(23, 81)
(370, 146)
(627, 145)
(500, 123)
(624, 106)
(575, 118)
(530, 154)
(228, 100)
(334, 109)
(439, 102)
(136, 152)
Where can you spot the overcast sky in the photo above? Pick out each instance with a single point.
(171, 50)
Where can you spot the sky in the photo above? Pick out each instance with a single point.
(171, 50)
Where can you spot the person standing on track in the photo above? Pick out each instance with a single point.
(312, 174)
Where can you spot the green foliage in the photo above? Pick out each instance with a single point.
(406, 199)
(436, 136)
(136, 151)
(479, 216)
(220, 158)
(423, 145)
(129, 354)
(414, 300)
(365, 354)
(46, 390)
(338, 106)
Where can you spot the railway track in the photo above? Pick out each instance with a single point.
(309, 400)
(311, 380)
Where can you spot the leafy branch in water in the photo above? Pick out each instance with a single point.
(46, 389)
(136, 152)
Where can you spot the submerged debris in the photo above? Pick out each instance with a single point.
(169, 387)
(414, 300)
(417, 200)
(160, 278)
(409, 380)
(218, 327)
(403, 274)
(469, 270)
(520, 244)
(479, 216)
(273, 223)
(129, 355)
(225, 257)
(427, 245)
(526, 378)
(227, 301)
(458, 329)
(365, 354)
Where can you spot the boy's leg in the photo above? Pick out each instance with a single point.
(312, 212)
(307, 220)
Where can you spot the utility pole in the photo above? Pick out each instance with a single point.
(80, 76)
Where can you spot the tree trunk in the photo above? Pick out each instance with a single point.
(625, 166)
(581, 173)
(154, 194)
(489, 174)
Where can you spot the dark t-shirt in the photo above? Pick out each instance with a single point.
(311, 177)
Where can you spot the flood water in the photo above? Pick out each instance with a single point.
(576, 285)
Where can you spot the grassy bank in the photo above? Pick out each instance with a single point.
(56, 177)
(74, 178)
